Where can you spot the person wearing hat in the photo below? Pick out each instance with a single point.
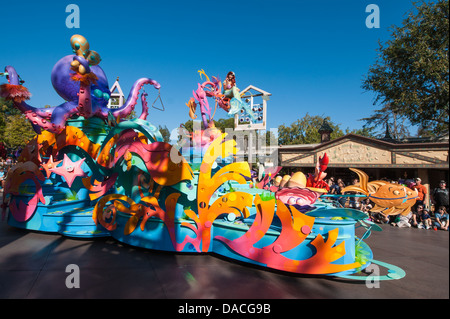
(422, 192)
(439, 196)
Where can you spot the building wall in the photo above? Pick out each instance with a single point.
(378, 158)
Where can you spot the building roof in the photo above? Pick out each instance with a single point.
(359, 151)
(390, 143)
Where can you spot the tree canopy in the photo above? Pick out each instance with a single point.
(15, 129)
(221, 124)
(165, 133)
(306, 130)
(411, 75)
(385, 119)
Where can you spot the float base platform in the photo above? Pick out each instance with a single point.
(33, 264)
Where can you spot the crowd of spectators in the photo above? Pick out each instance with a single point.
(5, 165)
(429, 212)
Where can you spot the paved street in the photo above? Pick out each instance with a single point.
(33, 265)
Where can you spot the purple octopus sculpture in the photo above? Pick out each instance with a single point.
(83, 85)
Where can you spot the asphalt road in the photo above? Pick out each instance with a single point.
(34, 265)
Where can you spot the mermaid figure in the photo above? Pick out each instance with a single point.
(229, 88)
(231, 91)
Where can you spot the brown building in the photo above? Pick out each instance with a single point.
(379, 158)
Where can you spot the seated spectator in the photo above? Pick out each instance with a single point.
(417, 216)
(426, 219)
(421, 218)
(402, 221)
(380, 218)
(441, 221)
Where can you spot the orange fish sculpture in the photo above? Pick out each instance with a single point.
(389, 198)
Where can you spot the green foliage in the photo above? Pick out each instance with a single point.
(129, 117)
(411, 74)
(72, 196)
(398, 125)
(361, 255)
(165, 133)
(267, 196)
(365, 131)
(221, 124)
(6, 109)
(17, 131)
(306, 130)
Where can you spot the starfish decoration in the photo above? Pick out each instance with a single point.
(70, 170)
(50, 165)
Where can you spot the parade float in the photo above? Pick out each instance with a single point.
(91, 173)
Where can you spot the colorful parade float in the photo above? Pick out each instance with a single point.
(91, 173)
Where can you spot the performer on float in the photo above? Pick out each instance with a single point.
(230, 90)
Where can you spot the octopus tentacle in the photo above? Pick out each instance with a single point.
(57, 120)
(131, 101)
(44, 113)
(144, 106)
(40, 118)
(84, 100)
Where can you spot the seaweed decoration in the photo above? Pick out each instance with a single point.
(70, 135)
(295, 228)
(207, 185)
(107, 217)
(156, 157)
(148, 207)
(98, 189)
(117, 147)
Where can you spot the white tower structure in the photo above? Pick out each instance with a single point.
(116, 99)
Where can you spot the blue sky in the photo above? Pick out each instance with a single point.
(311, 55)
